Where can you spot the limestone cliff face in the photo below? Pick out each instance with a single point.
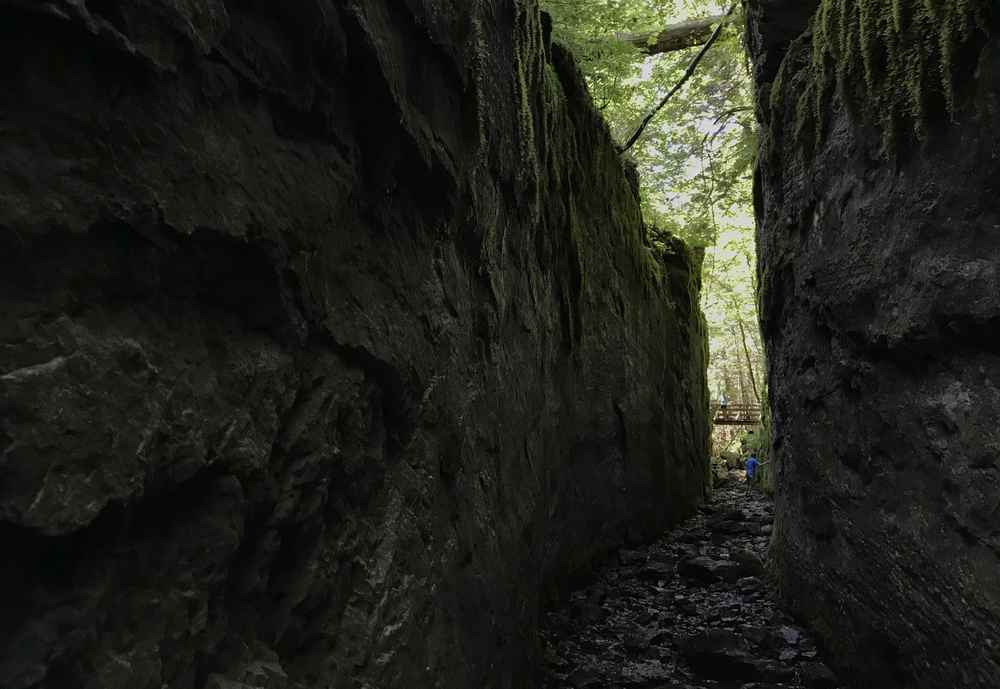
(879, 264)
(328, 340)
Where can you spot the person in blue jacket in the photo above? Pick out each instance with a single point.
(752, 466)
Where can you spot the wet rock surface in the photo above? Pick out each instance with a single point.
(691, 611)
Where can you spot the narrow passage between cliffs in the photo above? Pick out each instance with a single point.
(693, 610)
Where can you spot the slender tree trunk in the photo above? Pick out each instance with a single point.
(746, 352)
(733, 364)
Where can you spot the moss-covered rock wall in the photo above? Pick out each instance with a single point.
(878, 213)
(329, 339)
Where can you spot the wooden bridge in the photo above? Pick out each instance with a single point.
(736, 414)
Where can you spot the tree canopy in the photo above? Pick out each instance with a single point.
(695, 157)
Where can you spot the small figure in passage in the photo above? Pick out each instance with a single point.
(751, 466)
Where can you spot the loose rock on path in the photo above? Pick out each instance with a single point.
(691, 611)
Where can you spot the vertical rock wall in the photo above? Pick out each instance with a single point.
(329, 339)
(878, 207)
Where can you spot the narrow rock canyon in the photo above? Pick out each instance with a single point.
(334, 348)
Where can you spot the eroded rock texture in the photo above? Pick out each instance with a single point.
(328, 340)
(881, 313)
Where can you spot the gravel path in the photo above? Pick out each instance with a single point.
(691, 611)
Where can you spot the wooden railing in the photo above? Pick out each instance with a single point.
(735, 414)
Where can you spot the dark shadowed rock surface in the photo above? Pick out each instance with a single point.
(685, 630)
(328, 339)
(881, 313)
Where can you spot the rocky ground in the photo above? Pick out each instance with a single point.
(691, 611)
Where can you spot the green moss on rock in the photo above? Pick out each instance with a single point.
(893, 63)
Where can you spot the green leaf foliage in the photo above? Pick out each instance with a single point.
(695, 159)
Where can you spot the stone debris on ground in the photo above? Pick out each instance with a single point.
(691, 611)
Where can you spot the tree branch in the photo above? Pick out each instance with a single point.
(677, 87)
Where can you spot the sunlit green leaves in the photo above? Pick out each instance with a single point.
(695, 155)
(695, 159)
